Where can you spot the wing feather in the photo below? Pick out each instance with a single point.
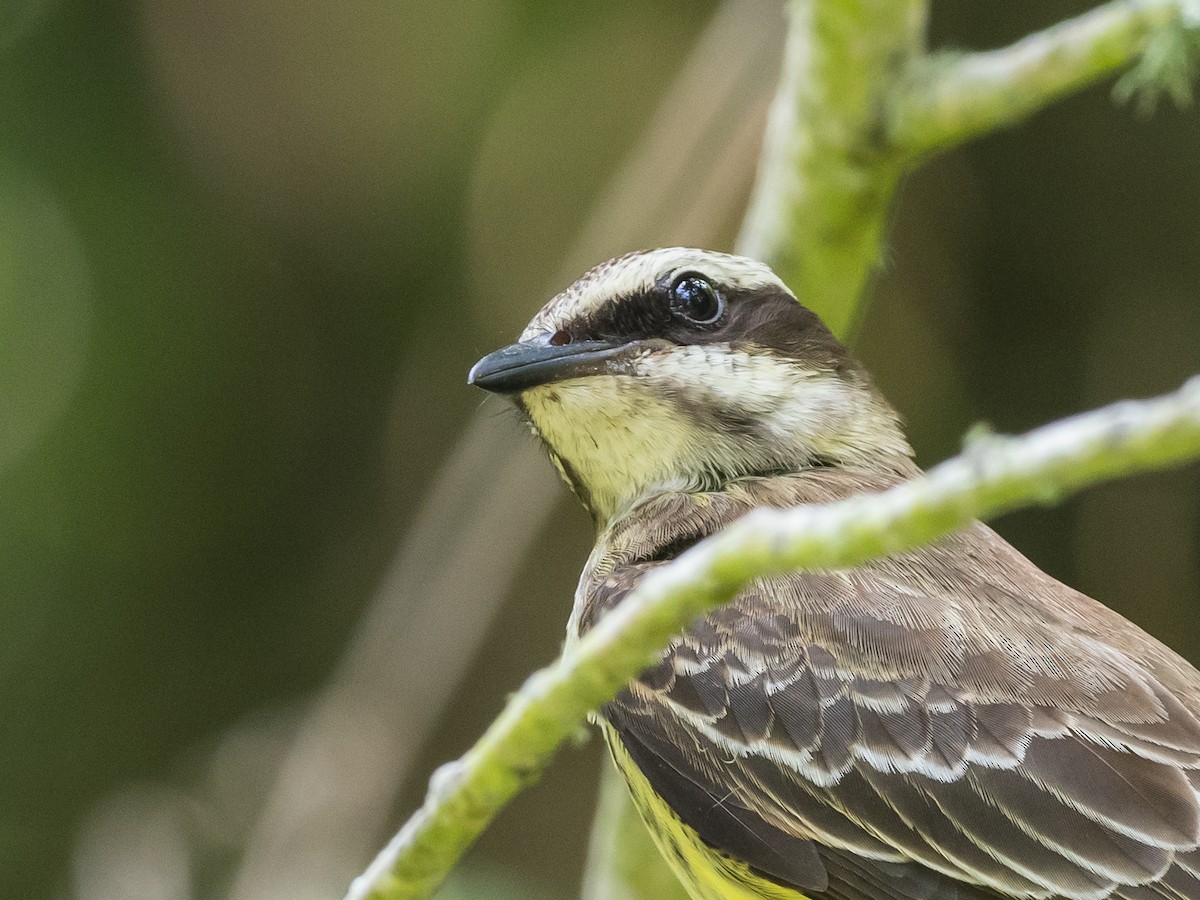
(928, 732)
(1039, 813)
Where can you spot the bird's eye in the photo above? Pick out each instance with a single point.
(694, 299)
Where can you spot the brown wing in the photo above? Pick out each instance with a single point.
(933, 732)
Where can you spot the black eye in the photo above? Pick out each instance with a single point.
(694, 299)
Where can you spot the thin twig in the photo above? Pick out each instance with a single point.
(859, 104)
(993, 475)
(947, 99)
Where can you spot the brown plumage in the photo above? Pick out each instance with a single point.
(952, 711)
(945, 723)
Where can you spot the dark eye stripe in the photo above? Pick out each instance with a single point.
(633, 317)
(766, 317)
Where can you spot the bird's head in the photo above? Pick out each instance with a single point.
(681, 369)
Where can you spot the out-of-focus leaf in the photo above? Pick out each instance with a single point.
(475, 883)
(45, 314)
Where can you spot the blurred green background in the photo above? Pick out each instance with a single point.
(248, 251)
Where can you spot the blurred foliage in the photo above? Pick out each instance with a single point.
(471, 884)
(248, 251)
(1167, 67)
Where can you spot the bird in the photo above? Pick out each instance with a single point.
(945, 723)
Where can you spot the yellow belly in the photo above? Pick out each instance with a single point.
(706, 873)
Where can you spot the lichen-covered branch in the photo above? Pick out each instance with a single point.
(993, 475)
(946, 99)
(859, 103)
(825, 178)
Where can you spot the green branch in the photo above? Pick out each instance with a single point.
(825, 179)
(859, 103)
(993, 475)
(945, 99)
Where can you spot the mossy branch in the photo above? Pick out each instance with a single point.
(825, 179)
(860, 103)
(993, 475)
(945, 99)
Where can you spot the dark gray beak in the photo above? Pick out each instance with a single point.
(517, 367)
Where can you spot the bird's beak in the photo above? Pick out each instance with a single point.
(527, 364)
